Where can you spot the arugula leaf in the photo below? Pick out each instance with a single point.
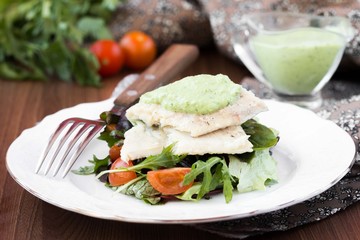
(97, 165)
(166, 159)
(227, 182)
(203, 168)
(191, 193)
(261, 136)
(209, 180)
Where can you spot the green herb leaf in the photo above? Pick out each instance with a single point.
(112, 137)
(227, 181)
(41, 39)
(210, 179)
(86, 170)
(204, 168)
(191, 193)
(97, 165)
(94, 27)
(166, 159)
(261, 136)
(84, 68)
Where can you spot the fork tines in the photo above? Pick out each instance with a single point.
(85, 125)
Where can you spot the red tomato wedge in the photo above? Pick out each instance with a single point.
(169, 181)
(120, 178)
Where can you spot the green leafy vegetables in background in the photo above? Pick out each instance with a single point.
(42, 38)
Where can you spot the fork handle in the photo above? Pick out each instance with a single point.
(173, 61)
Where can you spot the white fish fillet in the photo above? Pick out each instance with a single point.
(142, 141)
(245, 108)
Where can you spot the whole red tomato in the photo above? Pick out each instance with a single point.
(109, 55)
(140, 49)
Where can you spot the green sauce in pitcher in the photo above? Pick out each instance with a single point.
(295, 61)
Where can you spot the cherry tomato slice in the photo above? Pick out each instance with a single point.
(140, 49)
(109, 55)
(120, 178)
(114, 153)
(169, 181)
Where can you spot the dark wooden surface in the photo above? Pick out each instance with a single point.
(25, 217)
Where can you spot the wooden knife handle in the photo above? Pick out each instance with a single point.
(173, 61)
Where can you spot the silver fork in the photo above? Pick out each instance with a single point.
(173, 61)
(90, 126)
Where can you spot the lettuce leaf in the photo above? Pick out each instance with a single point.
(253, 174)
(141, 189)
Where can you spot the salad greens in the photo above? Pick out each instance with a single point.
(163, 160)
(255, 174)
(242, 174)
(209, 173)
(210, 180)
(41, 38)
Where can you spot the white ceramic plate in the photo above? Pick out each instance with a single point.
(313, 154)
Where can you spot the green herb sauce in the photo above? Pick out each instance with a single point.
(200, 94)
(295, 61)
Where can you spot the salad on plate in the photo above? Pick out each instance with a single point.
(187, 141)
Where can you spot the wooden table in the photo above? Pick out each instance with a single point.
(23, 216)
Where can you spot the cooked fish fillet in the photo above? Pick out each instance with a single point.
(231, 140)
(245, 108)
(142, 141)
